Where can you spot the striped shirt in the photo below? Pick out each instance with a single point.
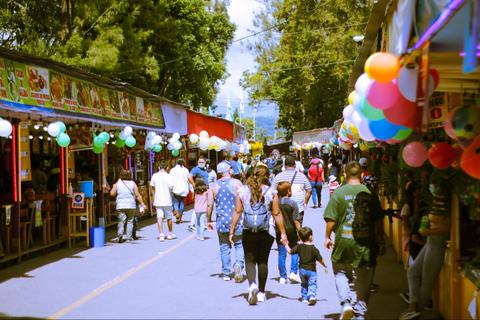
(299, 187)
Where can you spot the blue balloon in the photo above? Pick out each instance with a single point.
(383, 129)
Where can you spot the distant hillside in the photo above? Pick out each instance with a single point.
(267, 123)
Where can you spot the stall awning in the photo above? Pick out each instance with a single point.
(322, 135)
(197, 122)
(175, 116)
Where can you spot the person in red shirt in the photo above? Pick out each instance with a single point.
(315, 175)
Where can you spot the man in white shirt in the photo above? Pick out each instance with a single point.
(162, 185)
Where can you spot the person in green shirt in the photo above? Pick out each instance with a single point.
(348, 256)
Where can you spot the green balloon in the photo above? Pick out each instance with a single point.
(62, 126)
(157, 148)
(403, 134)
(97, 142)
(175, 152)
(130, 142)
(370, 112)
(104, 137)
(63, 140)
(119, 143)
(97, 150)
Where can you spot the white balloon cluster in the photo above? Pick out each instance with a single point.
(205, 142)
(153, 142)
(174, 142)
(5, 128)
(127, 135)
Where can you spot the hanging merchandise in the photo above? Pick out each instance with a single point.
(469, 162)
(157, 148)
(63, 140)
(465, 122)
(175, 153)
(130, 142)
(194, 138)
(415, 154)
(55, 128)
(5, 128)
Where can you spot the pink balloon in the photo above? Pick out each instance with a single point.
(383, 95)
(402, 113)
(415, 154)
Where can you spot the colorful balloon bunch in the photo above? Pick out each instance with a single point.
(382, 107)
(57, 130)
(153, 142)
(5, 128)
(174, 144)
(125, 137)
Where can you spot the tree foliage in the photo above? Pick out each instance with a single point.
(175, 49)
(305, 57)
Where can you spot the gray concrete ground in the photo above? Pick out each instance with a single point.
(173, 279)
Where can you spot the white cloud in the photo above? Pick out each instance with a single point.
(239, 58)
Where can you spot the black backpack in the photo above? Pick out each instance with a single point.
(363, 225)
(289, 223)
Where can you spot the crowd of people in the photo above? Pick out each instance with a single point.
(258, 202)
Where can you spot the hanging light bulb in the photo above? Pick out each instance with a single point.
(45, 128)
(112, 135)
(49, 139)
(30, 137)
(37, 126)
(40, 137)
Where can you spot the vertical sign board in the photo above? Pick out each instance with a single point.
(25, 164)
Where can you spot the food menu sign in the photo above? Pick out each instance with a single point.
(42, 87)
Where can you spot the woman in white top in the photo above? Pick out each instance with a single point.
(180, 189)
(126, 191)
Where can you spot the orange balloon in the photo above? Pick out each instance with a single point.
(382, 66)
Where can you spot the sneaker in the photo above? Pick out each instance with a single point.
(252, 294)
(294, 277)
(192, 228)
(282, 281)
(347, 312)
(202, 239)
(261, 297)
(374, 287)
(305, 301)
(237, 271)
(171, 236)
(161, 237)
(409, 315)
(312, 301)
(121, 240)
(405, 297)
(226, 278)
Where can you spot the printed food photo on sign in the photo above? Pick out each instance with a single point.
(11, 85)
(124, 107)
(95, 98)
(83, 97)
(56, 89)
(155, 111)
(133, 107)
(105, 101)
(114, 103)
(3, 80)
(140, 109)
(147, 107)
(39, 85)
(70, 93)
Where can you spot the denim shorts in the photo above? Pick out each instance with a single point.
(165, 212)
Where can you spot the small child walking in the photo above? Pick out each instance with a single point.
(309, 255)
(333, 184)
(203, 201)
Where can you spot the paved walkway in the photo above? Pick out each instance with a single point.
(172, 279)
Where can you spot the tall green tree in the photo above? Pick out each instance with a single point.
(304, 59)
(175, 49)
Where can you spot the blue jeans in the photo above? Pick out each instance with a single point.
(309, 283)
(282, 259)
(178, 204)
(225, 251)
(201, 224)
(317, 192)
(359, 294)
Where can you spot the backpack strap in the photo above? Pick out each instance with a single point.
(294, 176)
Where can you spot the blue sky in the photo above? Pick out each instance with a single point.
(239, 58)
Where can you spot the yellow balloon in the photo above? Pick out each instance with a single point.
(363, 147)
(351, 97)
(354, 131)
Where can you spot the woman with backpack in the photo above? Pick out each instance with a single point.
(260, 204)
(315, 175)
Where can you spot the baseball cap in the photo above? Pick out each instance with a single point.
(363, 162)
(223, 167)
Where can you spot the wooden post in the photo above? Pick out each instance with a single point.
(16, 184)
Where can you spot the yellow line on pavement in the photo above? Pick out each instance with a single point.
(115, 281)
